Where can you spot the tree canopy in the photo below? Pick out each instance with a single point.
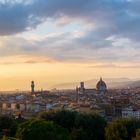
(86, 125)
(122, 129)
(8, 125)
(137, 135)
(64, 118)
(41, 130)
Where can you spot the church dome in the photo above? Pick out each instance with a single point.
(101, 85)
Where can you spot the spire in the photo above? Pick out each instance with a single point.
(101, 79)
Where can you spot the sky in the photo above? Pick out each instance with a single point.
(59, 41)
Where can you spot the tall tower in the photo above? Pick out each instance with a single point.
(82, 87)
(32, 87)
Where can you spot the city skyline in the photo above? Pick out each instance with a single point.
(64, 41)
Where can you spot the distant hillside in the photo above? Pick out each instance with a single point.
(111, 83)
(134, 84)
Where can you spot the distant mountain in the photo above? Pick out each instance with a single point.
(111, 83)
(134, 84)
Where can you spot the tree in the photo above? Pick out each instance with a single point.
(122, 129)
(91, 124)
(19, 119)
(79, 134)
(80, 125)
(41, 130)
(64, 118)
(137, 135)
(8, 125)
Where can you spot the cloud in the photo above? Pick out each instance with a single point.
(109, 16)
(116, 66)
(70, 47)
(24, 59)
(110, 29)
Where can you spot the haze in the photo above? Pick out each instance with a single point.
(58, 41)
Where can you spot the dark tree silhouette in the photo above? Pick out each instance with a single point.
(41, 130)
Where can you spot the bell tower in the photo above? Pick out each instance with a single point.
(32, 87)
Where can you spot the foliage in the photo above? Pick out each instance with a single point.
(137, 135)
(66, 125)
(20, 119)
(64, 118)
(41, 130)
(92, 124)
(122, 129)
(79, 134)
(8, 125)
(80, 125)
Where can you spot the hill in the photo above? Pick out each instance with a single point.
(111, 83)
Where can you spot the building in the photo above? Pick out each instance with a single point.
(32, 87)
(82, 87)
(128, 112)
(101, 87)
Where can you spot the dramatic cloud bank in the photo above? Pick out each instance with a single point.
(109, 29)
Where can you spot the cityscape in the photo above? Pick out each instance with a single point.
(69, 69)
(109, 103)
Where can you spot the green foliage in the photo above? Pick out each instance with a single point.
(20, 119)
(122, 129)
(92, 124)
(41, 130)
(8, 123)
(64, 118)
(137, 135)
(80, 125)
(79, 134)
(68, 125)
(4, 138)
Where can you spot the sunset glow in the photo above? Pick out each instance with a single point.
(52, 42)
